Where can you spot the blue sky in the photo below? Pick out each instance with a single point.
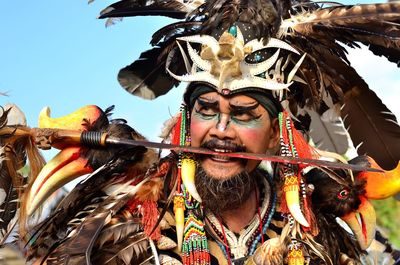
(56, 53)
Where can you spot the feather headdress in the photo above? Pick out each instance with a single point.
(318, 31)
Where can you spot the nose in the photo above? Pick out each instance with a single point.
(223, 129)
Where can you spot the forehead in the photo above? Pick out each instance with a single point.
(239, 100)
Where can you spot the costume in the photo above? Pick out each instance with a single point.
(136, 208)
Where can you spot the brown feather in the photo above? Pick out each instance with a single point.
(119, 227)
(377, 25)
(76, 249)
(16, 150)
(132, 250)
(379, 134)
(264, 16)
(77, 246)
(151, 190)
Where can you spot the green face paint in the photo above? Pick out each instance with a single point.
(207, 117)
(246, 120)
(255, 122)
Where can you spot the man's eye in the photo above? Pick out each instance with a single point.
(242, 116)
(206, 111)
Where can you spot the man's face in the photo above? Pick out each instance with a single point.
(231, 124)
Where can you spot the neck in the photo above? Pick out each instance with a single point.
(239, 218)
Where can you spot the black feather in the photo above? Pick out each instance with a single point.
(264, 16)
(379, 137)
(129, 8)
(147, 77)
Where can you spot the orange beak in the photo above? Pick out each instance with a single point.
(381, 185)
(66, 166)
(362, 222)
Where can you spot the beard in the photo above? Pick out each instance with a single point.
(219, 195)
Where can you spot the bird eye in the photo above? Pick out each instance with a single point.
(343, 194)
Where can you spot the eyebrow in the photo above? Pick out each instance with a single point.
(244, 108)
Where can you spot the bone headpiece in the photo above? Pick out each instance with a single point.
(229, 64)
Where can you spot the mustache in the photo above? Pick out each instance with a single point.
(225, 145)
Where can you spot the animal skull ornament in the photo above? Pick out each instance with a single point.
(222, 63)
(226, 62)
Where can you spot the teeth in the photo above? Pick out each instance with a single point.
(221, 158)
(222, 151)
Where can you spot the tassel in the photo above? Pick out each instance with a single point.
(191, 236)
(293, 139)
(195, 246)
(299, 145)
(149, 219)
(179, 212)
(293, 145)
(176, 131)
(132, 205)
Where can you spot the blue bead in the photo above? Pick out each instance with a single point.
(265, 227)
(233, 31)
(258, 58)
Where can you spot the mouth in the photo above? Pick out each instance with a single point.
(221, 158)
(223, 147)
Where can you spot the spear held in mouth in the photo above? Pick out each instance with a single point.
(45, 138)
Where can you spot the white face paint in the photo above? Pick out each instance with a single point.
(223, 122)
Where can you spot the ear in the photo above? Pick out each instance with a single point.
(274, 136)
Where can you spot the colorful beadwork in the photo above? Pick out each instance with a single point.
(195, 246)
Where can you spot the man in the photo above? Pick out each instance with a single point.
(248, 72)
(235, 192)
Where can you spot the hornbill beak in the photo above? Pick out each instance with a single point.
(63, 168)
(72, 121)
(69, 163)
(362, 222)
(380, 185)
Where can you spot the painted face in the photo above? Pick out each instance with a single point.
(231, 124)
